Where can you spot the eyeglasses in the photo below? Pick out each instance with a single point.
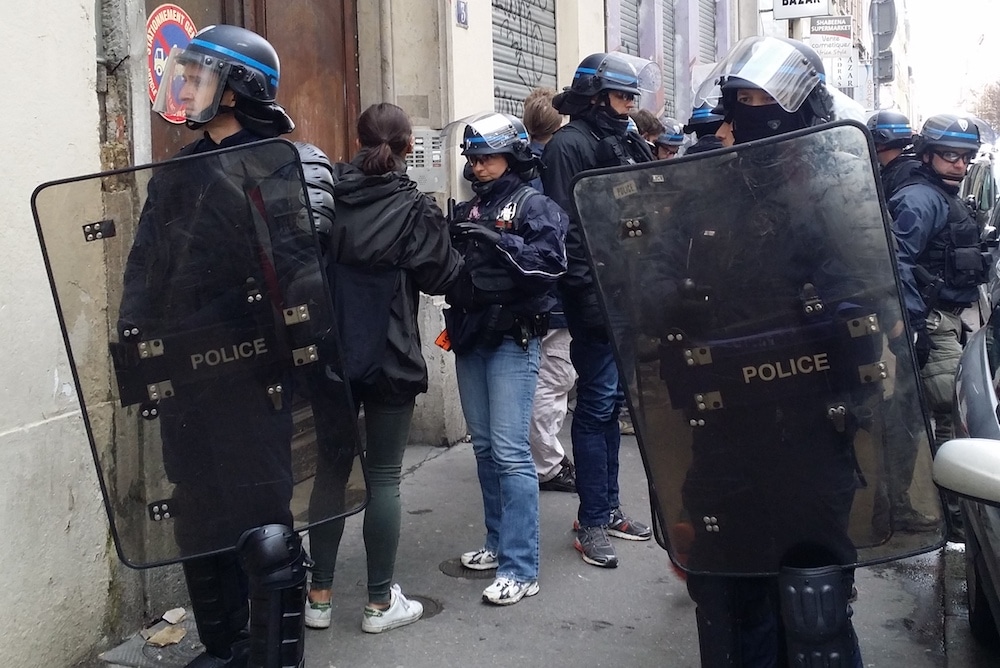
(480, 159)
(623, 96)
(951, 157)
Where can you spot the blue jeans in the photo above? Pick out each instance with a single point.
(497, 389)
(595, 432)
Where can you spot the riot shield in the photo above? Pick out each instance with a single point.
(199, 326)
(756, 317)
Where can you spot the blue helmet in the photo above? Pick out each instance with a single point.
(704, 119)
(220, 58)
(492, 133)
(673, 135)
(947, 131)
(890, 129)
(601, 72)
(253, 70)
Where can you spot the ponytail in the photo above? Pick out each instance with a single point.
(384, 131)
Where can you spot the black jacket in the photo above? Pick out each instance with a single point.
(586, 142)
(387, 235)
(899, 170)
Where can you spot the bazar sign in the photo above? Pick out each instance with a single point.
(797, 9)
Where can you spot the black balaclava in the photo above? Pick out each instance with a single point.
(605, 117)
(751, 123)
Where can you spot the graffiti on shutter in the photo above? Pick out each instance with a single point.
(524, 51)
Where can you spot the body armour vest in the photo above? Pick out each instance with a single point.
(954, 253)
(491, 279)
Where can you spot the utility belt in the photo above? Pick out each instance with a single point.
(489, 326)
(527, 327)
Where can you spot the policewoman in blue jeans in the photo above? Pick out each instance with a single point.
(513, 241)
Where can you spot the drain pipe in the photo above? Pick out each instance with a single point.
(385, 49)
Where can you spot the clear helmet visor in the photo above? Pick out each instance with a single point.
(191, 86)
(845, 107)
(774, 66)
(495, 132)
(647, 74)
(986, 133)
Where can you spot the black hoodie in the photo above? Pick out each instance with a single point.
(388, 243)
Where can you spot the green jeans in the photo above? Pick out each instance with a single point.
(387, 428)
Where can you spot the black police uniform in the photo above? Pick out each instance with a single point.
(226, 446)
(591, 140)
(766, 486)
(897, 172)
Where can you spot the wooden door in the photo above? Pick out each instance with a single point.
(317, 45)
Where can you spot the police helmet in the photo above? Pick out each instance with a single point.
(492, 133)
(947, 131)
(704, 120)
(890, 129)
(673, 135)
(786, 69)
(219, 57)
(601, 72)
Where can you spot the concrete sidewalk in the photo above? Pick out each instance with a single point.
(636, 615)
(908, 614)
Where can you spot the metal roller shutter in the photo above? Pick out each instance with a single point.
(630, 27)
(524, 51)
(669, 76)
(706, 31)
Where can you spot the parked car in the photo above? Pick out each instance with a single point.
(981, 186)
(970, 467)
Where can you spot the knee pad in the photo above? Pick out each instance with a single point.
(275, 563)
(816, 613)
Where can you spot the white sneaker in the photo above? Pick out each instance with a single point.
(480, 560)
(317, 615)
(401, 611)
(505, 591)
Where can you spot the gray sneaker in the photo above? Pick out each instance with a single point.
(595, 547)
(623, 526)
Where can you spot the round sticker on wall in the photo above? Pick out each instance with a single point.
(168, 26)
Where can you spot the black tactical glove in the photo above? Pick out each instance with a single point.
(922, 346)
(593, 318)
(466, 230)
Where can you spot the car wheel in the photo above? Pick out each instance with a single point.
(982, 625)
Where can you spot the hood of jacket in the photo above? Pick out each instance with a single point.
(375, 216)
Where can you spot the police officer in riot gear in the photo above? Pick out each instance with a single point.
(767, 491)
(226, 443)
(704, 123)
(603, 91)
(512, 239)
(668, 144)
(893, 137)
(221, 59)
(941, 263)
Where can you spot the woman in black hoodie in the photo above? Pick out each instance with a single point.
(388, 243)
